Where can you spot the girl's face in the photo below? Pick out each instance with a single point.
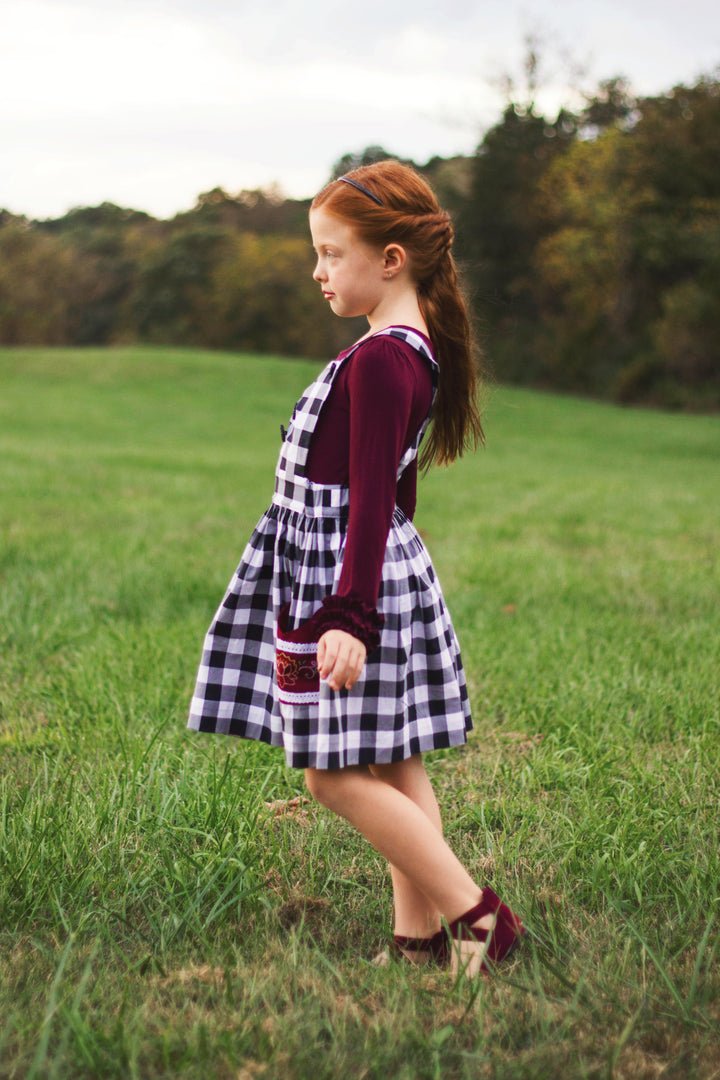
(350, 272)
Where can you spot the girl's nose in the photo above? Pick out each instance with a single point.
(317, 272)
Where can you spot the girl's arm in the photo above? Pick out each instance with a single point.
(389, 390)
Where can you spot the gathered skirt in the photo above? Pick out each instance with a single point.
(411, 696)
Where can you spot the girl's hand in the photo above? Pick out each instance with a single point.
(340, 658)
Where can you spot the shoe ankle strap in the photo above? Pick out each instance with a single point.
(488, 905)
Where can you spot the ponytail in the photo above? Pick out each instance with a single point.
(402, 209)
(456, 423)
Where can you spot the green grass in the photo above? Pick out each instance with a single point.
(158, 919)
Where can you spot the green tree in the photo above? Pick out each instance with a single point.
(582, 280)
(97, 235)
(43, 282)
(627, 277)
(260, 211)
(355, 160)
(263, 298)
(174, 286)
(500, 229)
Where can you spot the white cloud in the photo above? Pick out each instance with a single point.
(149, 102)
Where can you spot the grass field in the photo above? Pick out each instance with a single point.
(160, 919)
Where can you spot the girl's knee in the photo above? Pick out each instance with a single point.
(313, 783)
(321, 785)
(329, 786)
(402, 775)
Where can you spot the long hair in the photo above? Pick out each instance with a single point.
(410, 216)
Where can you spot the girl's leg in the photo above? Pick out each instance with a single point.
(401, 831)
(415, 915)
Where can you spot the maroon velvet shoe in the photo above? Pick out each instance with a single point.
(508, 931)
(437, 948)
(501, 940)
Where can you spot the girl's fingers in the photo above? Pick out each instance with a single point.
(327, 655)
(341, 669)
(345, 672)
(340, 659)
(321, 653)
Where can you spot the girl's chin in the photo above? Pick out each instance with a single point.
(343, 311)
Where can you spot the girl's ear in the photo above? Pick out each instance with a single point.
(394, 258)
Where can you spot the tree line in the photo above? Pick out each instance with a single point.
(589, 241)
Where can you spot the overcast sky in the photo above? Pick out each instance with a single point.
(147, 103)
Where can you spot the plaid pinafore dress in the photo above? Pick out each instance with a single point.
(258, 674)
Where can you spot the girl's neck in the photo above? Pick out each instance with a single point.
(404, 310)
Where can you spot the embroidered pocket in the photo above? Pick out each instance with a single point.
(296, 666)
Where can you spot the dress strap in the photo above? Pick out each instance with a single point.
(403, 333)
(291, 486)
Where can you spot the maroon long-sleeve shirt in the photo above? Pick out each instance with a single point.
(377, 402)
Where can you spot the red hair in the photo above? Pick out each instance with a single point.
(411, 217)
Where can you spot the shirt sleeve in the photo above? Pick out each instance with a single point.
(381, 388)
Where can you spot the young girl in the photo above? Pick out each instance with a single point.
(333, 640)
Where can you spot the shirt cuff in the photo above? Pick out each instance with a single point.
(354, 616)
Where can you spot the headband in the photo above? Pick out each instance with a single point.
(347, 180)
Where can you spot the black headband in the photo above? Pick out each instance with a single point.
(347, 180)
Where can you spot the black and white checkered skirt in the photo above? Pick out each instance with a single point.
(258, 674)
(411, 696)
